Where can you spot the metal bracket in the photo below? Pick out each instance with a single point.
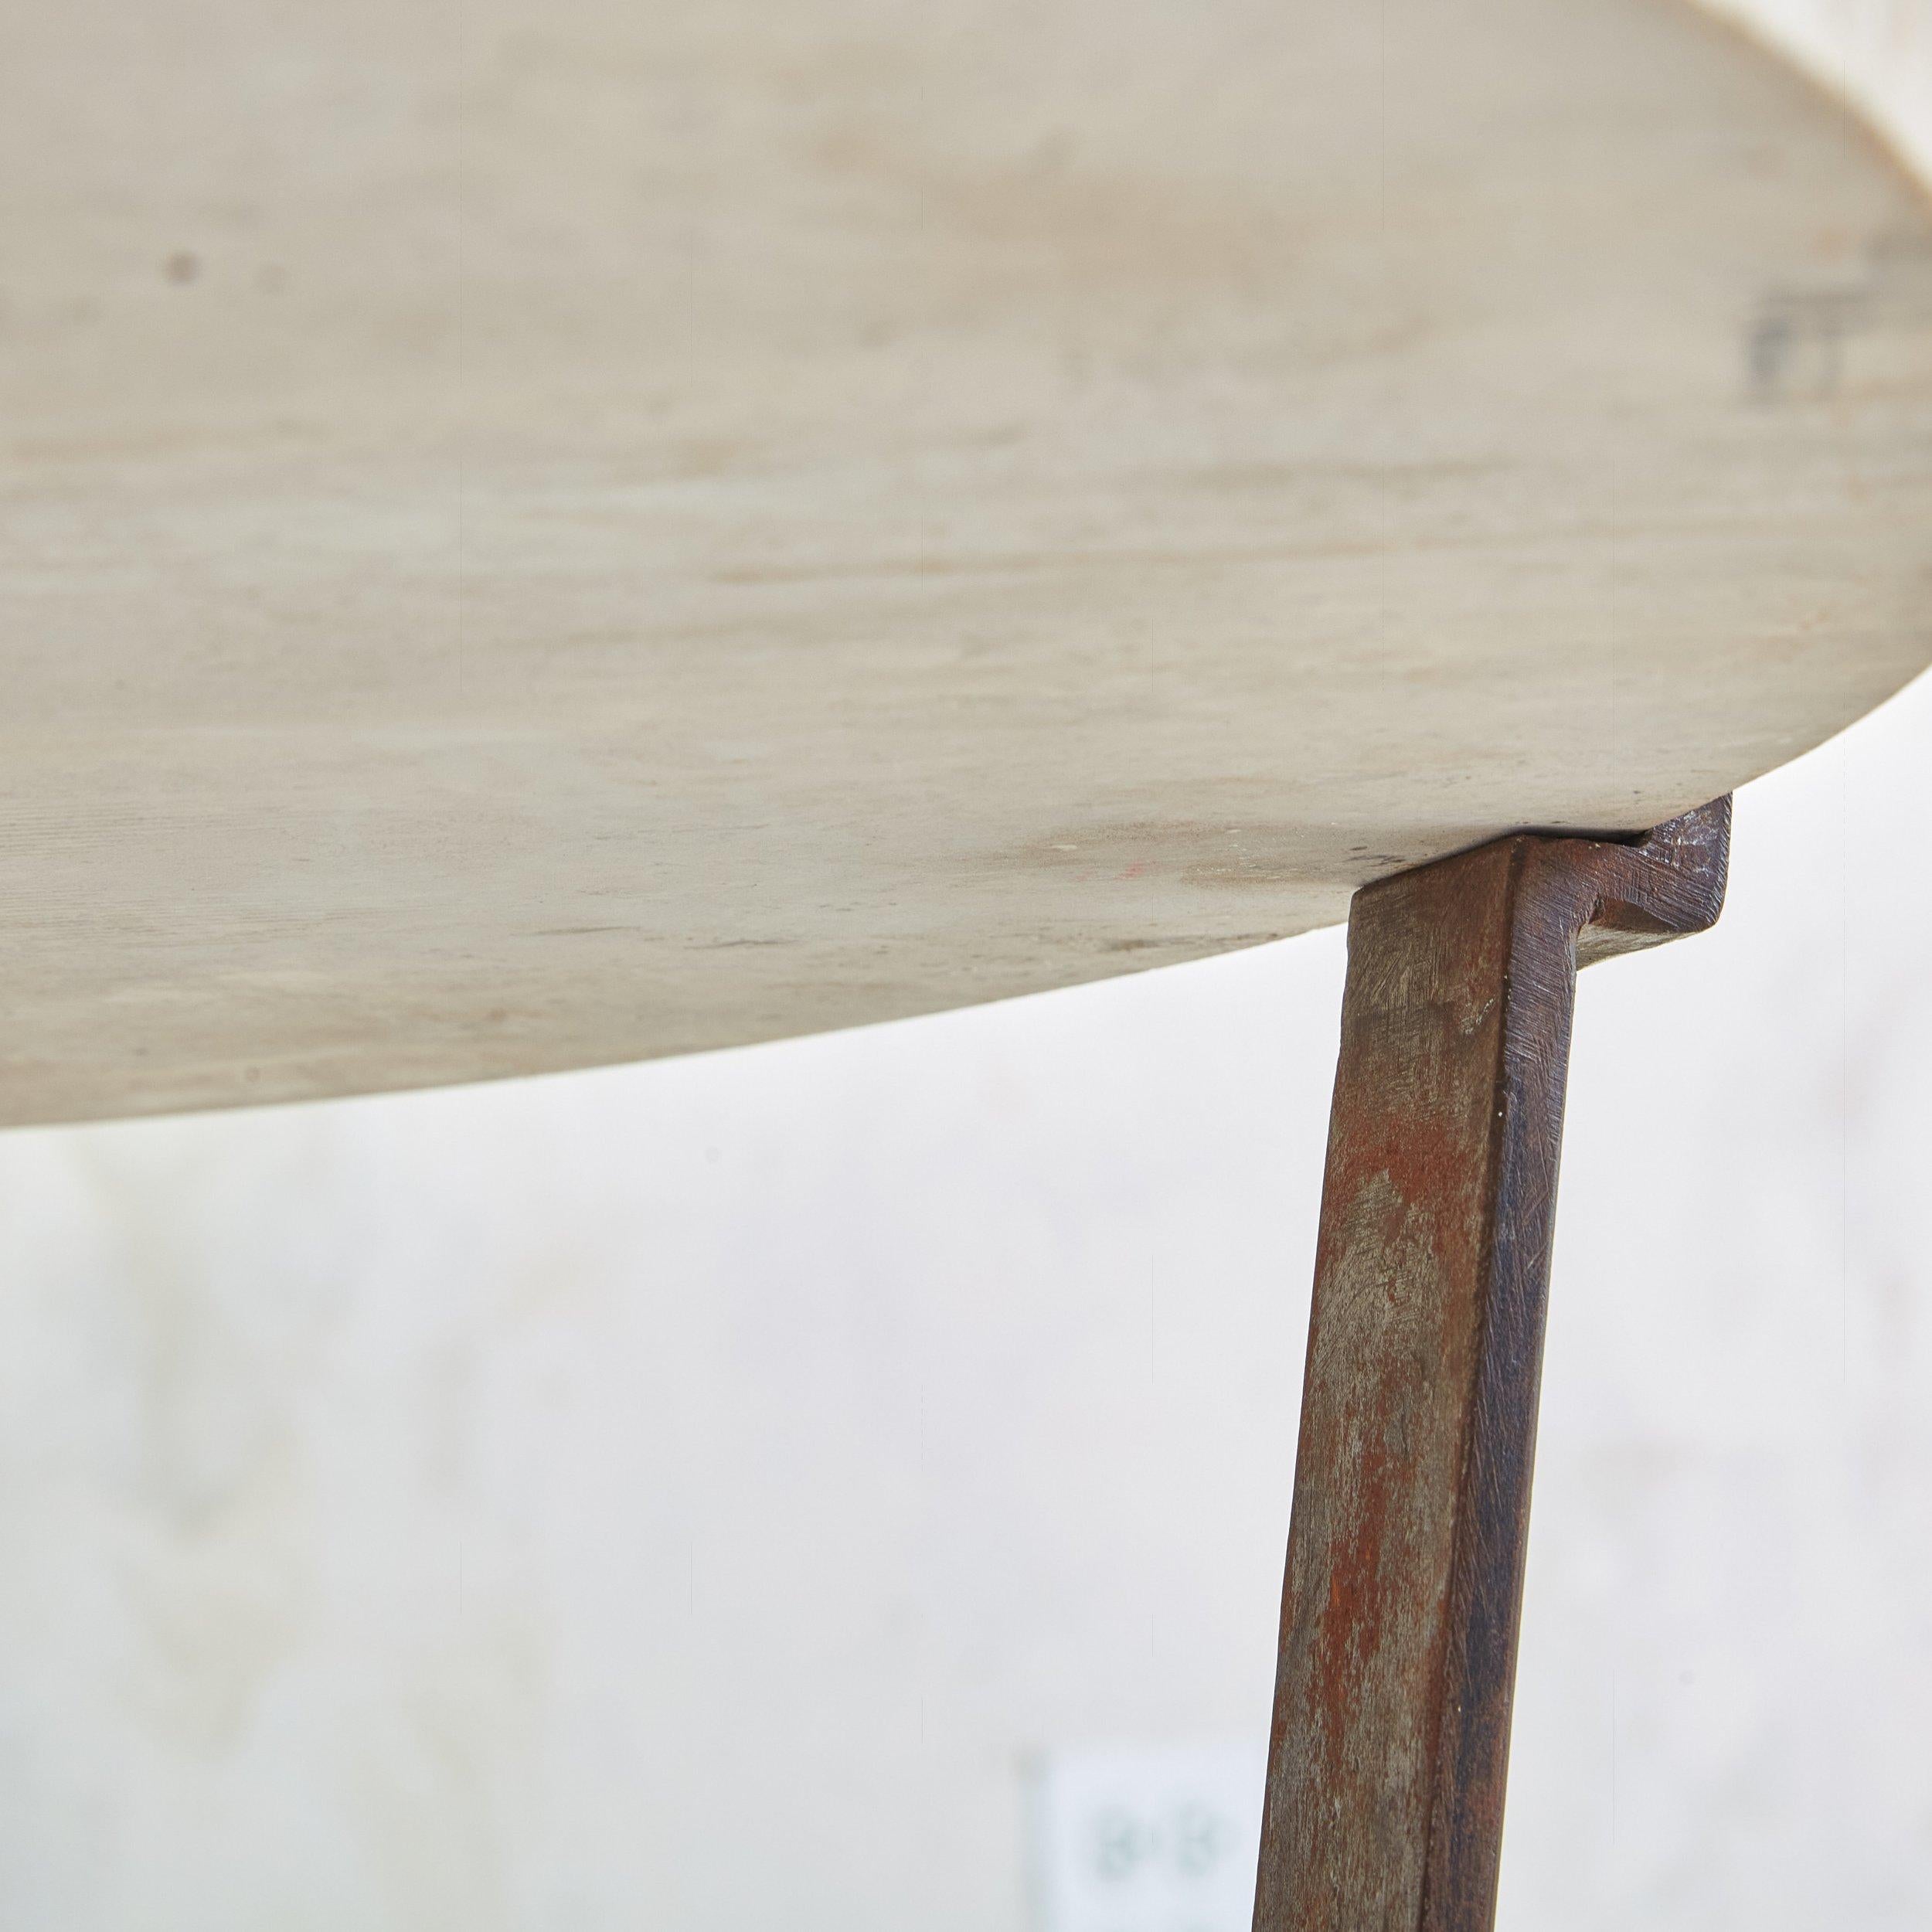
(1390, 1750)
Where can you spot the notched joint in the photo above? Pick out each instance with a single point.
(1669, 883)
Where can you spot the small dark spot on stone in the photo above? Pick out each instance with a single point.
(1051, 155)
(181, 266)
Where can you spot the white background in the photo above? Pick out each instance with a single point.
(692, 1496)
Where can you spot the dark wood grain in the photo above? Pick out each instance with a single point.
(1389, 1748)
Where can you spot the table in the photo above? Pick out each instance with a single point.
(536, 537)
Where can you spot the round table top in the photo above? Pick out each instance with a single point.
(540, 532)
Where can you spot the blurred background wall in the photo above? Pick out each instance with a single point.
(707, 1495)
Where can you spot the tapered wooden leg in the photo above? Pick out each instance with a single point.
(1390, 1743)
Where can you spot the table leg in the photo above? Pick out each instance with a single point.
(1390, 1744)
